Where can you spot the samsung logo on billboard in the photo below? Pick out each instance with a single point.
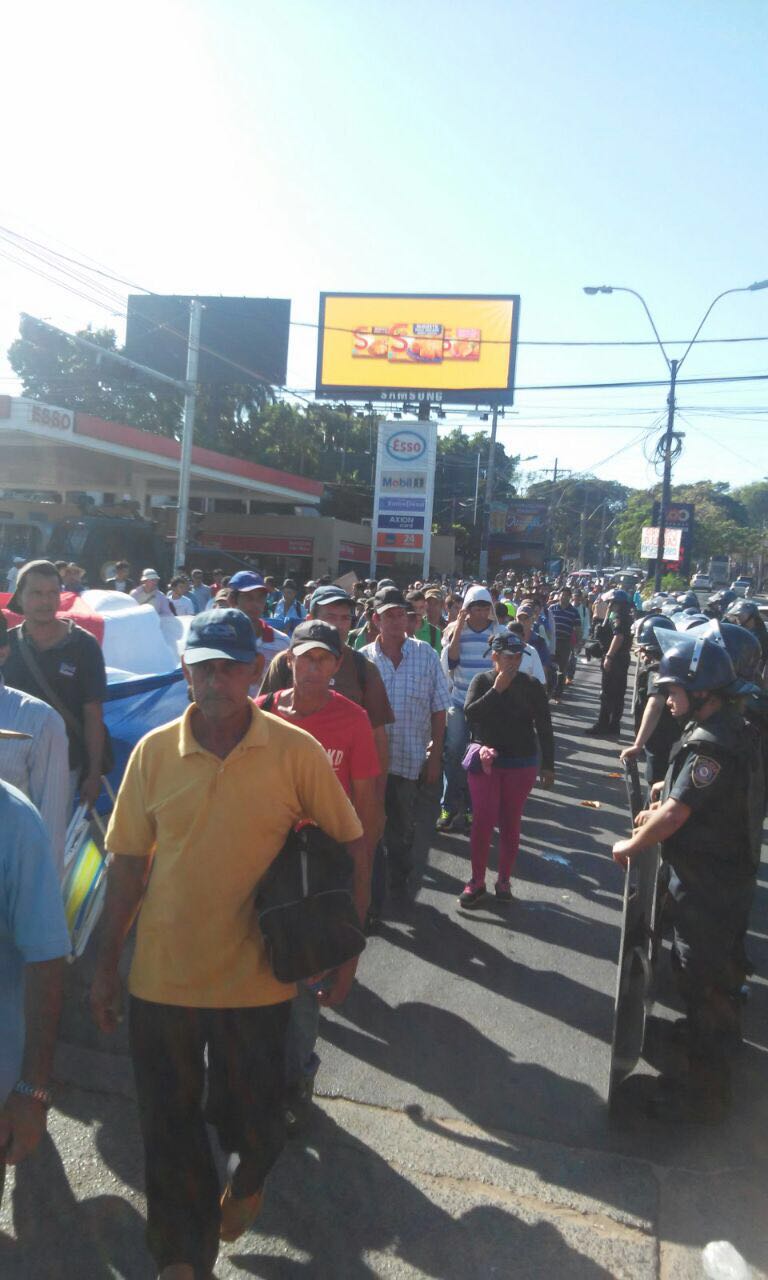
(406, 446)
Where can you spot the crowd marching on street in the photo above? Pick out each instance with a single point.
(350, 714)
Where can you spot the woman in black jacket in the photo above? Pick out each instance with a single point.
(510, 726)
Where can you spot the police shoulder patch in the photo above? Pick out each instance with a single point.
(704, 771)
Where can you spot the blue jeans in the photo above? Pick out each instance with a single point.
(455, 791)
(301, 1061)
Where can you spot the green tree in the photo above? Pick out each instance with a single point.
(54, 369)
(754, 500)
(576, 500)
(721, 521)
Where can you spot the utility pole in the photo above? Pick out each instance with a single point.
(188, 387)
(477, 489)
(674, 367)
(489, 479)
(188, 431)
(666, 484)
(601, 548)
(583, 529)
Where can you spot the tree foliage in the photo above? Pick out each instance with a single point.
(576, 500)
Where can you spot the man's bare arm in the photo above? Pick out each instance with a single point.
(93, 730)
(22, 1119)
(651, 716)
(126, 883)
(661, 823)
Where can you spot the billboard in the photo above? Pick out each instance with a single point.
(404, 490)
(649, 543)
(517, 534)
(250, 333)
(680, 515)
(438, 348)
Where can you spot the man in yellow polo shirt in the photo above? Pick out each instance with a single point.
(204, 808)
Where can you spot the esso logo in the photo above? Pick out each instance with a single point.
(42, 415)
(406, 446)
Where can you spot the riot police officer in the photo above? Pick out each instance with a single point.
(656, 730)
(709, 822)
(745, 613)
(614, 636)
(719, 602)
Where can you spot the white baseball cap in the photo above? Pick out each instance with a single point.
(477, 595)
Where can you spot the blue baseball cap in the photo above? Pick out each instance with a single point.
(329, 595)
(246, 580)
(220, 633)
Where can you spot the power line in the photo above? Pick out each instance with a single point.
(259, 377)
(6, 232)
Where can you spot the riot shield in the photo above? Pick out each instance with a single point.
(633, 980)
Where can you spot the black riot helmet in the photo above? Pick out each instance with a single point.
(647, 628)
(689, 600)
(698, 663)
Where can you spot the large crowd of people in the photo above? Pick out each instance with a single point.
(440, 692)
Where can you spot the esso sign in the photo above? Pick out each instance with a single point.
(406, 446)
(42, 415)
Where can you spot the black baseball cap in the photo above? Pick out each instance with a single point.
(389, 598)
(316, 635)
(506, 643)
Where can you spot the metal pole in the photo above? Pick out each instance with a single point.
(583, 528)
(105, 354)
(489, 478)
(601, 548)
(550, 531)
(188, 430)
(666, 483)
(477, 489)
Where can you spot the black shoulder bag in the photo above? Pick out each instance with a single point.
(53, 700)
(305, 908)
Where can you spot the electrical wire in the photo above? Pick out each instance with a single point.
(8, 232)
(252, 374)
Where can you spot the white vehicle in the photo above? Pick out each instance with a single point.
(701, 582)
(741, 587)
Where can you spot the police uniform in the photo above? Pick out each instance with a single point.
(716, 772)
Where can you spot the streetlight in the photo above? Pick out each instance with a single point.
(674, 368)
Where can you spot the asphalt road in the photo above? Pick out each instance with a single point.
(461, 1129)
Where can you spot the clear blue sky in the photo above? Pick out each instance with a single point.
(285, 147)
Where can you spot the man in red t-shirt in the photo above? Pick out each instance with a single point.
(344, 731)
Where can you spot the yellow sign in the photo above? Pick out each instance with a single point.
(385, 346)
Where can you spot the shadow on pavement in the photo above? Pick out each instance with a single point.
(58, 1237)
(389, 1223)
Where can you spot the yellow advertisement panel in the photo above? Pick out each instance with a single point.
(449, 349)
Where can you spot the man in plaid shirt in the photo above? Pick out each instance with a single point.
(419, 696)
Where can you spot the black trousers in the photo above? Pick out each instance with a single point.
(245, 1076)
(393, 859)
(612, 694)
(563, 651)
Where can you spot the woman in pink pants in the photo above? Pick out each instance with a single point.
(511, 745)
